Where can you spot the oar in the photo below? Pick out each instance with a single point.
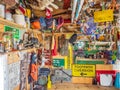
(74, 9)
(80, 4)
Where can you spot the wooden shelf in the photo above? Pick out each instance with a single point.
(27, 49)
(90, 61)
(34, 30)
(12, 24)
(85, 59)
(49, 33)
(60, 57)
(101, 43)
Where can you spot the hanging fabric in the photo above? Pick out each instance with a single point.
(66, 4)
(33, 67)
(34, 72)
(54, 47)
(48, 18)
(60, 22)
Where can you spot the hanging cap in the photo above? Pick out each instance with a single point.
(48, 14)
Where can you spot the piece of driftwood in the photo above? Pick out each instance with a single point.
(9, 3)
(114, 5)
(42, 4)
(40, 13)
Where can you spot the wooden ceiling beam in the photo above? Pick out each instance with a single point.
(65, 16)
(55, 12)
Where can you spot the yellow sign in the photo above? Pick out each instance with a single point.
(103, 16)
(83, 70)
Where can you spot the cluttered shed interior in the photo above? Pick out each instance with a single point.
(60, 44)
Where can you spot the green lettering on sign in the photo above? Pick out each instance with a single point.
(89, 62)
(14, 31)
(58, 62)
(83, 70)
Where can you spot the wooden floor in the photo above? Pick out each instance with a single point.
(66, 86)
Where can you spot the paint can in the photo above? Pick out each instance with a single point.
(2, 49)
(19, 19)
(118, 55)
(2, 10)
(106, 80)
(8, 16)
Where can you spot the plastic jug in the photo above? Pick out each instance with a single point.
(117, 80)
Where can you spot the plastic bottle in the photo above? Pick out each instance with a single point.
(118, 55)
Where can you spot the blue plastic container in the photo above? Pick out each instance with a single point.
(117, 80)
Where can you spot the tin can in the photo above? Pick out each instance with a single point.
(2, 10)
(2, 49)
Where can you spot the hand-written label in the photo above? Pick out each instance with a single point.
(83, 70)
(103, 16)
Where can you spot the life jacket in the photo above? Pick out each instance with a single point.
(34, 72)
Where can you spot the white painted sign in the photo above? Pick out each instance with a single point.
(14, 75)
(3, 73)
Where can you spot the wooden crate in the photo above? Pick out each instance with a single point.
(82, 80)
(104, 67)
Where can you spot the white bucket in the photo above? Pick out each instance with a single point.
(19, 19)
(106, 80)
(9, 16)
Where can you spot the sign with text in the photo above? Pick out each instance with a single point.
(58, 62)
(83, 70)
(14, 31)
(103, 16)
